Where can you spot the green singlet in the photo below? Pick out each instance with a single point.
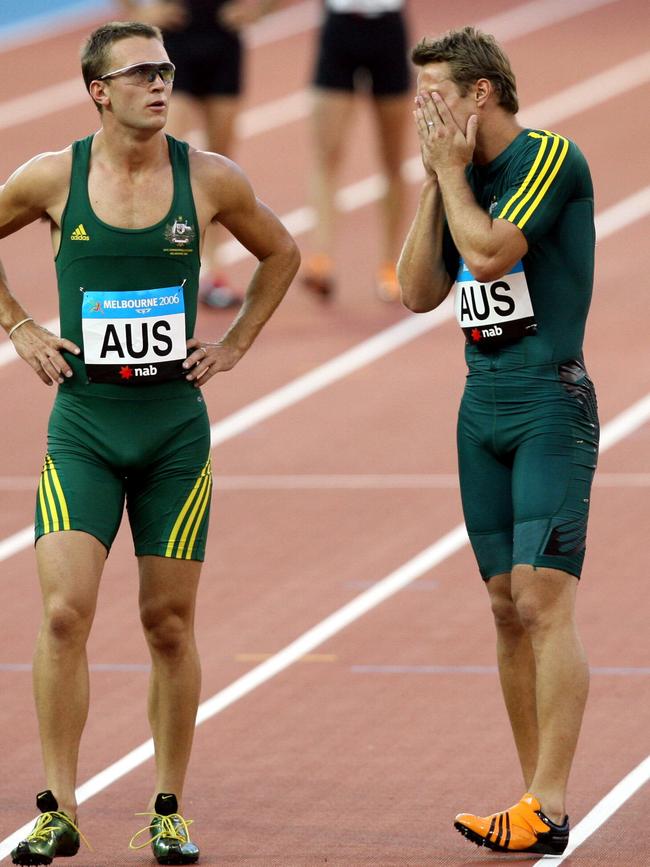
(128, 425)
(528, 425)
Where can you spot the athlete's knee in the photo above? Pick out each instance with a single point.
(544, 598)
(67, 623)
(168, 631)
(502, 604)
(506, 620)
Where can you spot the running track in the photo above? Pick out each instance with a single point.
(351, 705)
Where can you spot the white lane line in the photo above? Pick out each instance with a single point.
(516, 22)
(598, 89)
(603, 810)
(284, 23)
(332, 371)
(605, 670)
(521, 20)
(271, 115)
(16, 542)
(347, 482)
(625, 423)
(445, 547)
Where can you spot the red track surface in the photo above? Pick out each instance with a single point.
(326, 763)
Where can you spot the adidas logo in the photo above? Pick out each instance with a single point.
(79, 234)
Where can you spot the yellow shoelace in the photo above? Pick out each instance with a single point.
(41, 831)
(174, 827)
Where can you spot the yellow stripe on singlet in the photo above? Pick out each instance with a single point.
(63, 506)
(549, 181)
(529, 177)
(181, 522)
(199, 519)
(540, 177)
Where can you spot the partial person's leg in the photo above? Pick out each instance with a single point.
(70, 565)
(392, 117)
(331, 117)
(208, 123)
(167, 603)
(517, 674)
(220, 115)
(185, 117)
(545, 603)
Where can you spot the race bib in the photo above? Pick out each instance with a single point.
(494, 313)
(134, 337)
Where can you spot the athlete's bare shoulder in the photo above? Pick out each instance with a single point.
(218, 184)
(37, 188)
(206, 165)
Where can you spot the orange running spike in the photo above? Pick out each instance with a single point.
(521, 828)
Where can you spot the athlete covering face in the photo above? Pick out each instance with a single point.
(505, 221)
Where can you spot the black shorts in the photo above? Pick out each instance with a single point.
(207, 63)
(355, 49)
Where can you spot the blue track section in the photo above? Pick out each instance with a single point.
(20, 16)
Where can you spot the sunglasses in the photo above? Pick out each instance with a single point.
(144, 73)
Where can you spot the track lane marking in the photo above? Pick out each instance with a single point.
(603, 811)
(346, 481)
(604, 670)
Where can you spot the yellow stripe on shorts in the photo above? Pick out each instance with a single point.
(51, 499)
(63, 506)
(183, 523)
(201, 514)
(42, 506)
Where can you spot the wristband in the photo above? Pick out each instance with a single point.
(18, 324)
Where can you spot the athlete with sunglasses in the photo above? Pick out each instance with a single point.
(128, 209)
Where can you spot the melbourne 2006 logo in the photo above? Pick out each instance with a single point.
(179, 233)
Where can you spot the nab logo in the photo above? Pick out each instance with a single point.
(151, 370)
(80, 234)
(495, 331)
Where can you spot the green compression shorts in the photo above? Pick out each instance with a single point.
(155, 455)
(527, 452)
